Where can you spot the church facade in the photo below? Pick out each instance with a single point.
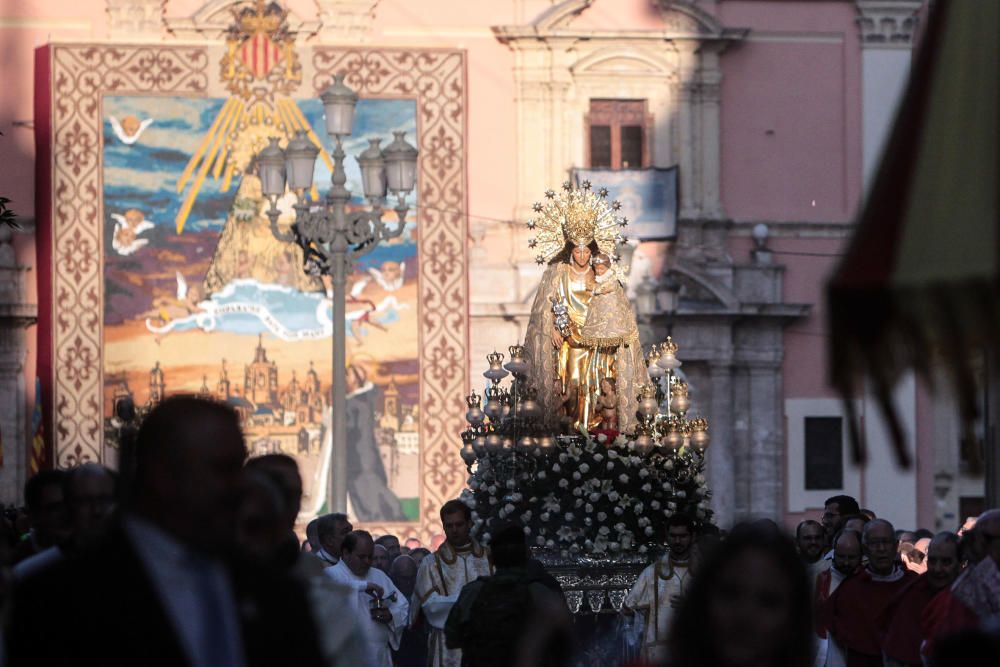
(769, 114)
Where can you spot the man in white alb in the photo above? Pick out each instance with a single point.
(658, 591)
(440, 579)
(381, 609)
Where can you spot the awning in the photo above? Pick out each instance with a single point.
(920, 281)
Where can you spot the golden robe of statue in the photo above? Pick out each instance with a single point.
(603, 343)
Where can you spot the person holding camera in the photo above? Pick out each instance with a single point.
(378, 604)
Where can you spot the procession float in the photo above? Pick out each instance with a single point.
(579, 435)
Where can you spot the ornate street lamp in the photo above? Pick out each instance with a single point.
(331, 238)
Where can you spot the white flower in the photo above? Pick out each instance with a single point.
(587, 521)
(620, 527)
(623, 478)
(631, 446)
(648, 531)
(612, 454)
(618, 511)
(511, 484)
(584, 468)
(588, 508)
(540, 541)
(615, 546)
(541, 474)
(594, 497)
(544, 516)
(492, 488)
(576, 476)
(588, 545)
(655, 504)
(699, 479)
(634, 460)
(473, 484)
(517, 497)
(598, 457)
(647, 487)
(508, 508)
(682, 494)
(556, 468)
(565, 534)
(671, 505)
(611, 466)
(562, 459)
(563, 483)
(578, 503)
(551, 503)
(578, 492)
(471, 502)
(700, 514)
(574, 548)
(526, 516)
(643, 549)
(493, 500)
(568, 516)
(564, 553)
(613, 496)
(550, 544)
(603, 530)
(602, 438)
(486, 537)
(668, 487)
(644, 473)
(601, 516)
(669, 465)
(621, 440)
(527, 530)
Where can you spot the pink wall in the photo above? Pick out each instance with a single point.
(791, 136)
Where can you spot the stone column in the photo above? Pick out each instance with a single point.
(887, 29)
(15, 315)
(721, 456)
(766, 463)
(709, 102)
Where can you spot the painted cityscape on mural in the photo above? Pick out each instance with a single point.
(200, 297)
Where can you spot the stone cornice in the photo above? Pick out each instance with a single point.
(887, 24)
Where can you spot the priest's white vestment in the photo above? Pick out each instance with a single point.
(651, 595)
(439, 581)
(383, 638)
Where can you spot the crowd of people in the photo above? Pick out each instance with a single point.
(189, 556)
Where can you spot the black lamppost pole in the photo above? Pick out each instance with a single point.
(333, 238)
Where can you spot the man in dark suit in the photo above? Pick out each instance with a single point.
(165, 587)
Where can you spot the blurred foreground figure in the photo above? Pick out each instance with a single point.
(459, 560)
(859, 604)
(46, 503)
(89, 496)
(377, 605)
(165, 587)
(658, 591)
(749, 605)
(511, 617)
(901, 624)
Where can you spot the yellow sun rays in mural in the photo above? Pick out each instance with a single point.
(237, 134)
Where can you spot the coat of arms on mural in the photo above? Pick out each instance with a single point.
(199, 289)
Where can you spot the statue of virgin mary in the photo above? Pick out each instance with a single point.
(570, 358)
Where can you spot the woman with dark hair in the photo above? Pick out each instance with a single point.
(749, 606)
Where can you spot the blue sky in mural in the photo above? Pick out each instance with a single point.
(144, 175)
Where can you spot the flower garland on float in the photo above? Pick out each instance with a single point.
(598, 495)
